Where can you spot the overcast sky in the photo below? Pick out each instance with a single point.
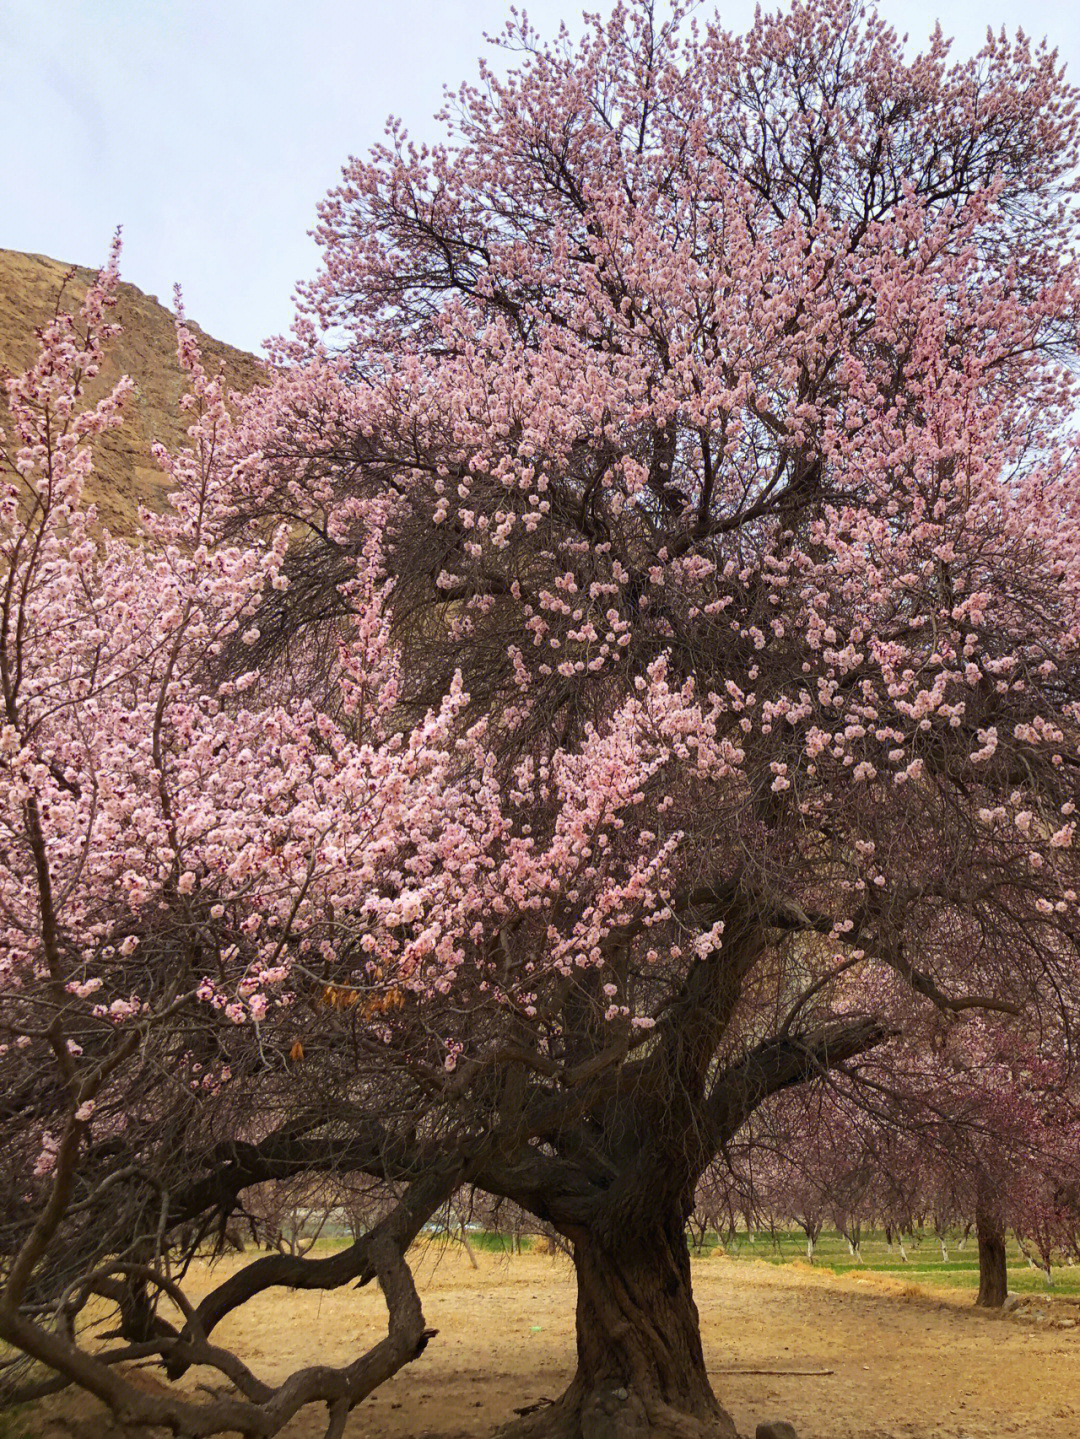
(210, 128)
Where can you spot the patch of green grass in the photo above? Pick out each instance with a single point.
(494, 1243)
(924, 1262)
(330, 1243)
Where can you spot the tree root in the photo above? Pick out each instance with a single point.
(614, 1414)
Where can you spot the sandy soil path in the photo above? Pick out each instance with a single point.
(908, 1364)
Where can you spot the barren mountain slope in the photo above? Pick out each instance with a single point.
(126, 472)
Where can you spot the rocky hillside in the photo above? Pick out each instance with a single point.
(126, 473)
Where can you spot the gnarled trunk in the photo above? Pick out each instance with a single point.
(993, 1272)
(641, 1370)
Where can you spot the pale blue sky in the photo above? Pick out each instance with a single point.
(211, 130)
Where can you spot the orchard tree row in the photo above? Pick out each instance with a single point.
(988, 1143)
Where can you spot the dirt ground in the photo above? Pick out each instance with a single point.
(905, 1363)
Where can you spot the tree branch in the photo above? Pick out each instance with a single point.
(783, 1061)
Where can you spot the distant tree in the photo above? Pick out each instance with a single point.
(632, 673)
(978, 1130)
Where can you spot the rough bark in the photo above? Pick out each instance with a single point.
(993, 1273)
(641, 1370)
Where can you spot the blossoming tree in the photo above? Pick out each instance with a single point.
(973, 1128)
(622, 666)
(128, 776)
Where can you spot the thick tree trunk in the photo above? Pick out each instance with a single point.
(993, 1273)
(641, 1371)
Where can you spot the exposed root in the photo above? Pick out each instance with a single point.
(615, 1414)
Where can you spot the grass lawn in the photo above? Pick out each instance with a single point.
(925, 1264)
